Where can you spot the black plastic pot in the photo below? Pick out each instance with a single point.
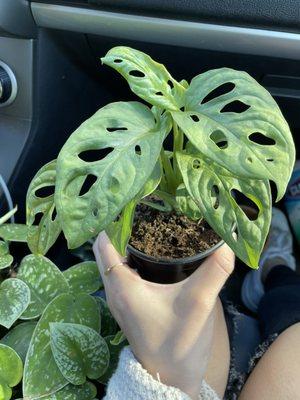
(165, 270)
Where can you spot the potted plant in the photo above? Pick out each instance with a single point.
(58, 340)
(229, 139)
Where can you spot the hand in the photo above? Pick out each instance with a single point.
(169, 327)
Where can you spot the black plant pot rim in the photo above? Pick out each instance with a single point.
(175, 261)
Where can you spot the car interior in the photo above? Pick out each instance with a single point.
(51, 77)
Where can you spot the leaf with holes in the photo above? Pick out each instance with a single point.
(84, 277)
(80, 309)
(14, 299)
(119, 231)
(45, 281)
(211, 187)
(11, 370)
(40, 201)
(146, 78)
(15, 232)
(255, 143)
(86, 391)
(134, 139)
(19, 338)
(114, 352)
(79, 352)
(186, 204)
(5, 258)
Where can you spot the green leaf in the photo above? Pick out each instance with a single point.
(118, 338)
(114, 351)
(233, 139)
(211, 188)
(41, 239)
(87, 391)
(84, 278)
(108, 323)
(45, 281)
(5, 258)
(19, 338)
(8, 215)
(119, 231)
(11, 371)
(79, 352)
(14, 299)
(80, 309)
(146, 78)
(186, 204)
(134, 139)
(15, 232)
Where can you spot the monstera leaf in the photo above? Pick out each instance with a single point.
(80, 309)
(79, 352)
(19, 338)
(186, 204)
(45, 281)
(147, 78)
(212, 188)
(84, 277)
(254, 142)
(11, 370)
(134, 139)
(119, 231)
(5, 258)
(87, 391)
(40, 201)
(14, 299)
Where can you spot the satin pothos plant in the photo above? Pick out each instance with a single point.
(228, 136)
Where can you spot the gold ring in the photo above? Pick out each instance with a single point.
(111, 267)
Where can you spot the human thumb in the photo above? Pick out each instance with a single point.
(214, 272)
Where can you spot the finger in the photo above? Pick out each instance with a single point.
(213, 273)
(107, 256)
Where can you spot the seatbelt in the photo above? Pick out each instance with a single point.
(7, 196)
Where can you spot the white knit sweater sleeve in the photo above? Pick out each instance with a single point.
(132, 382)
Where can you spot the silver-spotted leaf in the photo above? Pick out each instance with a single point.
(45, 281)
(14, 232)
(86, 391)
(146, 78)
(119, 231)
(79, 352)
(80, 309)
(19, 338)
(14, 299)
(108, 323)
(42, 237)
(114, 351)
(8, 215)
(242, 130)
(134, 139)
(11, 371)
(5, 258)
(212, 188)
(84, 277)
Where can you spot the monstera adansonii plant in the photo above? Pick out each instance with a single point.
(229, 137)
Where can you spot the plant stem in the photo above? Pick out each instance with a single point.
(168, 172)
(177, 146)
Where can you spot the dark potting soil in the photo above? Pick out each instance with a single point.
(169, 235)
